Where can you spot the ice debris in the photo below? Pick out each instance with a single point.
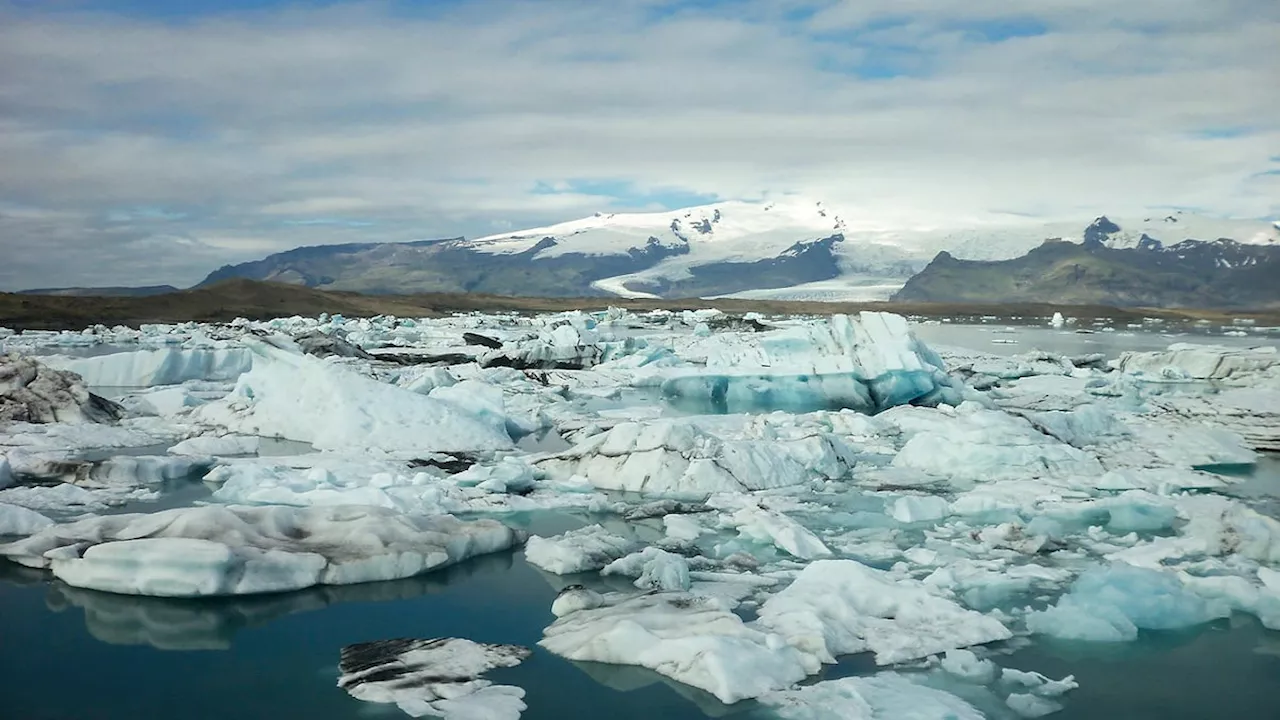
(33, 392)
(440, 677)
(839, 607)
(688, 638)
(298, 397)
(886, 695)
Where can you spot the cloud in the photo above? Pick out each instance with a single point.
(243, 132)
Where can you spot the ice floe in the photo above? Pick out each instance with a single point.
(206, 551)
(440, 677)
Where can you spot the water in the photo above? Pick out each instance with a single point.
(96, 655)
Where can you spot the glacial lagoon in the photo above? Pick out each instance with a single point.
(78, 653)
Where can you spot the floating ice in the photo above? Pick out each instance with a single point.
(1189, 361)
(653, 568)
(867, 364)
(980, 444)
(777, 529)
(17, 520)
(916, 509)
(203, 551)
(687, 638)
(167, 366)
(886, 696)
(839, 607)
(1110, 604)
(581, 550)
(35, 393)
(208, 445)
(302, 398)
(437, 678)
(967, 666)
(575, 598)
(676, 457)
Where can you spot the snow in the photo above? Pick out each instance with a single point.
(302, 398)
(437, 678)
(840, 607)
(208, 551)
(687, 638)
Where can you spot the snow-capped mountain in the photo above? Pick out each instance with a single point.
(793, 248)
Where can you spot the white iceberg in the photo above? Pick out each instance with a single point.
(582, 550)
(299, 397)
(166, 366)
(440, 677)
(865, 364)
(688, 638)
(205, 551)
(840, 607)
(1110, 604)
(879, 697)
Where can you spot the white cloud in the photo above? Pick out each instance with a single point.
(433, 126)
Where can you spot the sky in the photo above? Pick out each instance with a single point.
(151, 141)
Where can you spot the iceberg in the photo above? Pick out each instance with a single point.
(17, 520)
(209, 551)
(582, 550)
(299, 397)
(883, 696)
(440, 677)
(1190, 361)
(166, 366)
(1110, 604)
(866, 364)
(653, 568)
(677, 458)
(840, 607)
(688, 638)
(32, 392)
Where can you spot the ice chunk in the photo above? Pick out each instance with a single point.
(17, 520)
(1190, 361)
(687, 638)
(980, 444)
(1111, 603)
(917, 509)
(303, 398)
(582, 550)
(1031, 706)
(575, 598)
(779, 530)
(653, 568)
(839, 607)
(867, 364)
(677, 458)
(202, 551)
(35, 393)
(1057, 320)
(6, 473)
(966, 665)
(167, 366)
(885, 696)
(438, 678)
(207, 445)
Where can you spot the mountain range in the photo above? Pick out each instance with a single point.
(799, 249)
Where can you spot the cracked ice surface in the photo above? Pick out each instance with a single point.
(747, 502)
